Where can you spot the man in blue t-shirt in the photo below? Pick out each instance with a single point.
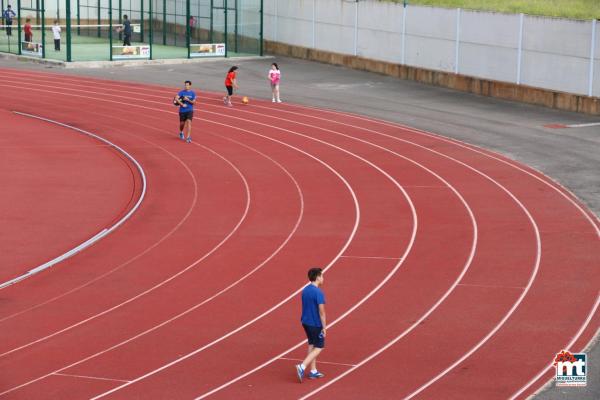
(185, 99)
(8, 16)
(314, 323)
(126, 31)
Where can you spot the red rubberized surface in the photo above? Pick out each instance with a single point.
(445, 262)
(59, 188)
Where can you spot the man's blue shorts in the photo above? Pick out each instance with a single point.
(314, 335)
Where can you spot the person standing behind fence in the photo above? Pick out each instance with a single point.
(126, 29)
(56, 32)
(8, 16)
(28, 31)
(274, 78)
(230, 83)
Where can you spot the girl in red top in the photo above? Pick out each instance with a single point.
(27, 30)
(230, 83)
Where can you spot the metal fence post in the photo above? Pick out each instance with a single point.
(262, 26)
(356, 28)
(457, 46)
(110, 28)
(314, 28)
(99, 19)
(19, 27)
(78, 17)
(592, 55)
(164, 22)
(276, 20)
(403, 55)
(188, 31)
(142, 21)
(226, 32)
(43, 29)
(151, 27)
(520, 49)
(68, 17)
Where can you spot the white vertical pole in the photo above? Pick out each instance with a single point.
(314, 29)
(276, 20)
(592, 55)
(356, 28)
(456, 55)
(403, 59)
(520, 48)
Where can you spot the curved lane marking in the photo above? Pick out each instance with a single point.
(100, 234)
(137, 256)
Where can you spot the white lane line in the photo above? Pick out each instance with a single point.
(262, 124)
(489, 335)
(320, 362)
(550, 182)
(530, 282)
(373, 258)
(346, 245)
(474, 149)
(100, 234)
(90, 377)
(567, 347)
(583, 125)
(214, 249)
(386, 135)
(154, 245)
(491, 286)
(357, 210)
(297, 224)
(313, 139)
(384, 281)
(532, 278)
(270, 139)
(560, 189)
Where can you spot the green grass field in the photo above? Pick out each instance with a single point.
(578, 9)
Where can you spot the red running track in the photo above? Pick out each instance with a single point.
(443, 260)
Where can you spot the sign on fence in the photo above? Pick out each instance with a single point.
(130, 52)
(32, 49)
(207, 50)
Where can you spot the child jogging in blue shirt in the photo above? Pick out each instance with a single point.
(314, 323)
(185, 99)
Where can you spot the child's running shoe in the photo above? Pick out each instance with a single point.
(188, 140)
(181, 136)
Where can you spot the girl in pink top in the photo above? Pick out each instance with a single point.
(274, 78)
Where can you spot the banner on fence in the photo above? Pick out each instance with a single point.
(207, 50)
(130, 52)
(32, 49)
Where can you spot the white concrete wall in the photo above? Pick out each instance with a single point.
(431, 37)
(381, 24)
(555, 52)
(488, 45)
